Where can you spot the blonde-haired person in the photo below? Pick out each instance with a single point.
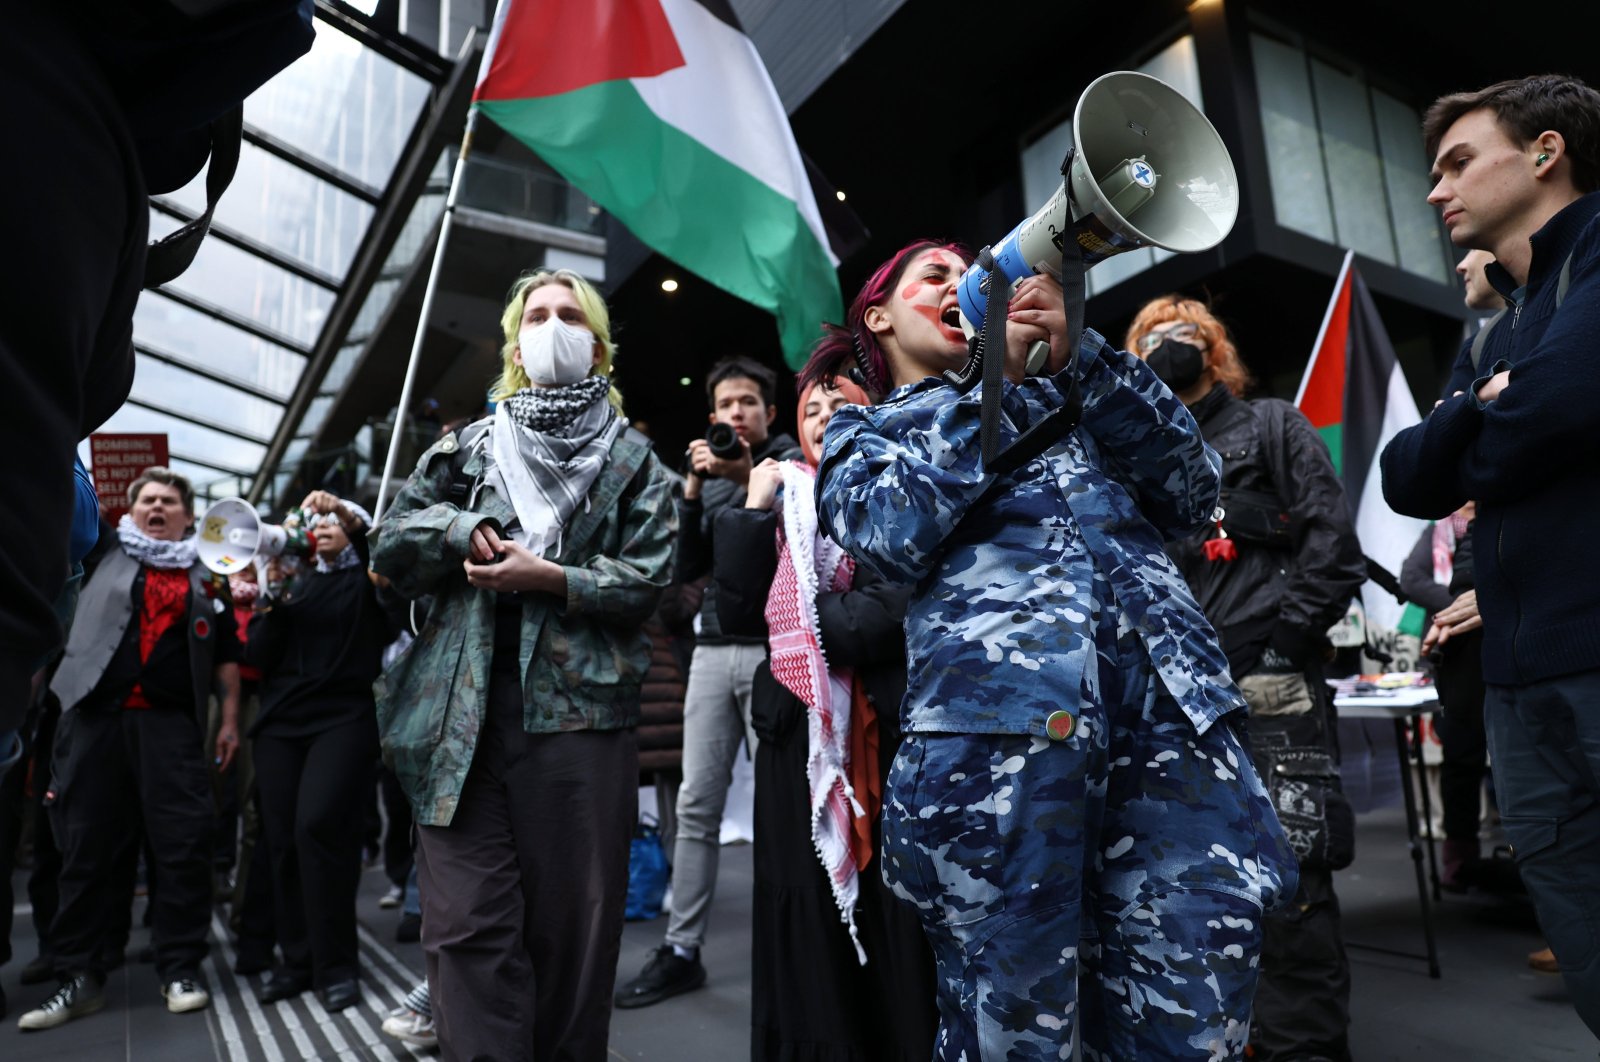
(544, 534)
(1281, 576)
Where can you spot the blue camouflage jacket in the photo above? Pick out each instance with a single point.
(999, 629)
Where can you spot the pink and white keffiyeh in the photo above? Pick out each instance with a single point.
(809, 564)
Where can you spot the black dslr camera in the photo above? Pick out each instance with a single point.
(725, 445)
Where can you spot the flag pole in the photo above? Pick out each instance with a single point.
(1322, 333)
(422, 322)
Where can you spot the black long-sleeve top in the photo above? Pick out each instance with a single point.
(319, 650)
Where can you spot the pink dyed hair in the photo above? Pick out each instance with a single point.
(835, 353)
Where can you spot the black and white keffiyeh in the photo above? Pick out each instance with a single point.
(546, 448)
(155, 552)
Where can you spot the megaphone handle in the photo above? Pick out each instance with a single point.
(993, 352)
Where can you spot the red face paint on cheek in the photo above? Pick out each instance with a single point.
(911, 290)
(930, 312)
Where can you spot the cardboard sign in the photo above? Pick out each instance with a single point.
(116, 459)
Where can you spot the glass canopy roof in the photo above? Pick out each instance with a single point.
(221, 350)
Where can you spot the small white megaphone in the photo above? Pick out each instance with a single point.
(232, 535)
(1141, 150)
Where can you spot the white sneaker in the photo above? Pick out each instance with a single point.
(79, 996)
(184, 995)
(396, 894)
(409, 1027)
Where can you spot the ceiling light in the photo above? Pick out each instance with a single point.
(839, 194)
(669, 285)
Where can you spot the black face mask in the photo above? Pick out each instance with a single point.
(1177, 364)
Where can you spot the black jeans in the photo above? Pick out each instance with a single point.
(76, 217)
(523, 892)
(308, 786)
(118, 773)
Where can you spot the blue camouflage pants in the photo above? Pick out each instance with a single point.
(1135, 858)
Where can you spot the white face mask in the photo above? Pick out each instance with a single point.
(556, 353)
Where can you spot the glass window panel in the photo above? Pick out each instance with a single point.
(209, 485)
(1176, 65)
(176, 329)
(184, 392)
(342, 104)
(1350, 146)
(1421, 244)
(252, 287)
(1294, 147)
(189, 439)
(287, 209)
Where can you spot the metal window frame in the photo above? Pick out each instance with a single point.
(436, 125)
(156, 354)
(396, 47)
(237, 473)
(250, 245)
(190, 418)
(316, 167)
(237, 320)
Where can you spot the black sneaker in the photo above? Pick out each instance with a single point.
(76, 997)
(667, 974)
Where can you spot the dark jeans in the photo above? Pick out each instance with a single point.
(523, 892)
(66, 313)
(1544, 744)
(115, 773)
(1461, 732)
(308, 785)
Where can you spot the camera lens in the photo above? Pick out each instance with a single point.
(724, 442)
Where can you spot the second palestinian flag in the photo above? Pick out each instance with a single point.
(1354, 393)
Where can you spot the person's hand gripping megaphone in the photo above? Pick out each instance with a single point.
(1036, 314)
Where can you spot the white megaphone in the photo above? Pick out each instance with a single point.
(232, 535)
(1141, 150)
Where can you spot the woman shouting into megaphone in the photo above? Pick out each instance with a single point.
(1072, 811)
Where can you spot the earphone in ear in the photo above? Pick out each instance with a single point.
(1542, 159)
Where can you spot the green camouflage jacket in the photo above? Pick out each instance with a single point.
(582, 659)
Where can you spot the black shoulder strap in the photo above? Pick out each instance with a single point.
(168, 257)
(459, 493)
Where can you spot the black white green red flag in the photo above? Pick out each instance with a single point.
(1355, 394)
(662, 112)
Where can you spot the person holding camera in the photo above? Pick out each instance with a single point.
(1275, 570)
(319, 645)
(716, 708)
(545, 536)
(1072, 810)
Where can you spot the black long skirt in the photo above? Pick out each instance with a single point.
(812, 1000)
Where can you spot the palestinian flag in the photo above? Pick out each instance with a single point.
(662, 112)
(1354, 393)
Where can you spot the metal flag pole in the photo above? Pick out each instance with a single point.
(422, 322)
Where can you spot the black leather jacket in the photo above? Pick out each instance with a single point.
(1270, 449)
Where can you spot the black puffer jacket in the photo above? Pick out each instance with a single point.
(862, 628)
(697, 545)
(1292, 595)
